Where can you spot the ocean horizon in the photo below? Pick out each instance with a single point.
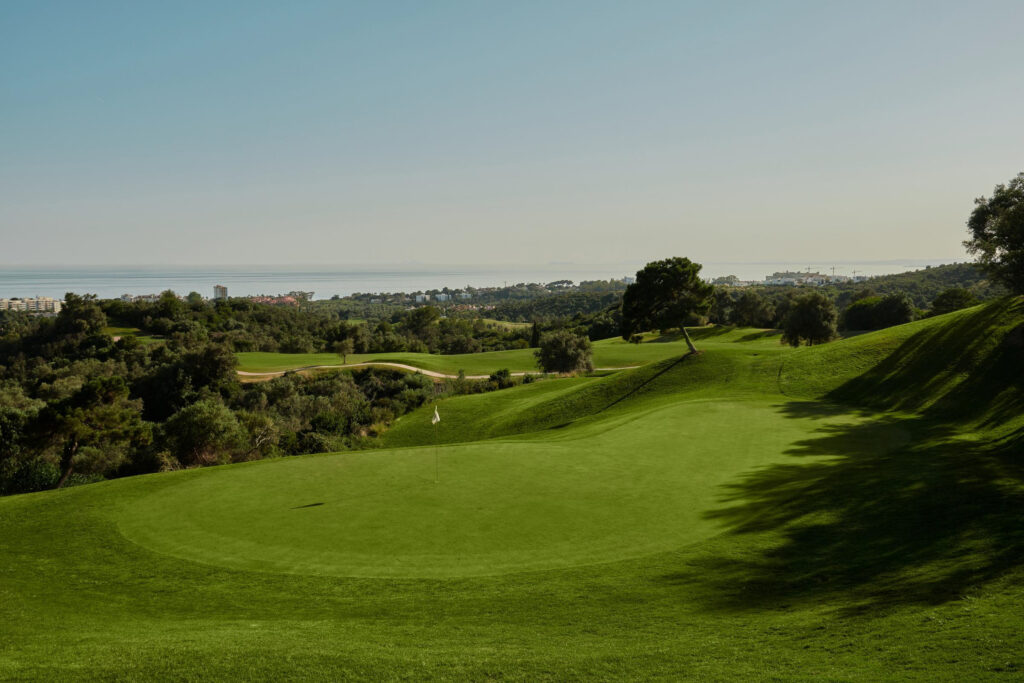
(108, 282)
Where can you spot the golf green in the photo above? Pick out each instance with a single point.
(641, 486)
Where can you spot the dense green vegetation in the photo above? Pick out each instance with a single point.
(76, 405)
(844, 511)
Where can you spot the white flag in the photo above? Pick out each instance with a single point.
(437, 418)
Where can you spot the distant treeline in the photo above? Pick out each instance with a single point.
(872, 304)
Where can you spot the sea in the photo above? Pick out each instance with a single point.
(108, 282)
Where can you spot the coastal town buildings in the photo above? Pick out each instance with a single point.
(39, 304)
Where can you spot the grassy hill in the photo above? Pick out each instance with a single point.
(843, 512)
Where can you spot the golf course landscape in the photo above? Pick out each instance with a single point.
(844, 511)
(608, 353)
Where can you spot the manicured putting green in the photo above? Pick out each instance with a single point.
(640, 486)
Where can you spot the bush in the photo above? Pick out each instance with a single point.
(565, 352)
(876, 313)
(26, 476)
(502, 378)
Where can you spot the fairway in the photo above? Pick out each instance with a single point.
(608, 353)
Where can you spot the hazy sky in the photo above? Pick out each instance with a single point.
(502, 132)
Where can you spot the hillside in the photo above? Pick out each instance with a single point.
(846, 512)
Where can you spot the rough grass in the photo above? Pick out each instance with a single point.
(844, 512)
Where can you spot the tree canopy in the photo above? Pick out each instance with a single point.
(811, 320)
(997, 234)
(667, 293)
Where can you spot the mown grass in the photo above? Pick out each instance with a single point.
(608, 353)
(122, 331)
(844, 512)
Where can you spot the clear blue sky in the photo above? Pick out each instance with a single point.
(502, 132)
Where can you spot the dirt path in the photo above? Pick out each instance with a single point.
(256, 376)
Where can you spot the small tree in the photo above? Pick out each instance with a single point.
(343, 348)
(563, 351)
(535, 336)
(997, 234)
(811, 320)
(666, 294)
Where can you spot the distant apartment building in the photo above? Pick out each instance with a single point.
(421, 298)
(442, 297)
(465, 295)
(39, 304)
(220, 292)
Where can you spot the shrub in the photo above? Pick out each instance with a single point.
(563, 351)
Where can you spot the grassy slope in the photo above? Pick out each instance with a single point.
(873, 539)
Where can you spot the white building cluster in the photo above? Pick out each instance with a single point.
(40, 304)
(145, 298)
(809, 278)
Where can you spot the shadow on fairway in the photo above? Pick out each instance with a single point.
(754, 336)
(894, 509)
(885, 512)
(951, 371)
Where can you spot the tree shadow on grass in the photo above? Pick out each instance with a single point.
(876, 513)
(951, 371)
(883, 509)
(762, 334)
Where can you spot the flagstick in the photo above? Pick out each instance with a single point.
(435, 421)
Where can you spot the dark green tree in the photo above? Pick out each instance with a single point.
(878, 312)
(563, 351)
(667, 293)
(169, 305)
(894, 309)
(92, 429)
(860, 315)
(752, 310)
(420, 319)
(997, 234)
(204, 433)
(535, 336)
(811, 319)
(953, 299)
(80, 316)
